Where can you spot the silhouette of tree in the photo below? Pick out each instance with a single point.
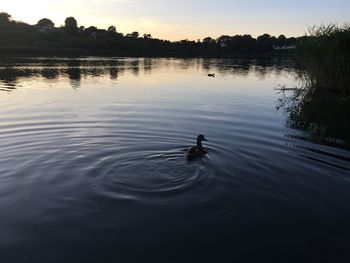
(91, 29)
(248, 43)
(81, 29)
(265, 43)
(91, 32)
(71, 26)
(20, 36)
(44, 22)
(112, 29)
(135, 34)
(291, 41)
(281, 40)
(263, 38)
(5, 17)
(208, 40)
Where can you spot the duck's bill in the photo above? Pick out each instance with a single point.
(205, 140)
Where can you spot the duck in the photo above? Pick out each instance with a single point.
(211, 75)
(196, 151)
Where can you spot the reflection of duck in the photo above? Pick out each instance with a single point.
(211, 75)
(196, 151)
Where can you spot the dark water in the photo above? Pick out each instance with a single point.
(93, 167)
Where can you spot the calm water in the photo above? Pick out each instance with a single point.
(93, 167)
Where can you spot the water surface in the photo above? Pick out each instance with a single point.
(93, 167)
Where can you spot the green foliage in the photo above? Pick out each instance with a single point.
(325, 53)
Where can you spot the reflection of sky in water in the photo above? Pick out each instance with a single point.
(37, 70)
(97, 148)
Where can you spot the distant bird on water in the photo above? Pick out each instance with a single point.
(212, 75)
(196, 151)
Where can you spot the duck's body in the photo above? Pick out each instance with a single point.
(211, 75)
(196, 151)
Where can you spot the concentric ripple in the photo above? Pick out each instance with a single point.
(158, 173)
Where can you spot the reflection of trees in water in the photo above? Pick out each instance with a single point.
(9, 77)
(147, 65)
(135, 67)
(74, 73)
(76, 69)
(185, 64)
(239, 67)
(323, 118)
(50, 73)
(113, 73)
(242, 67)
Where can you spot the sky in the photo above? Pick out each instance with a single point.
(187, 19)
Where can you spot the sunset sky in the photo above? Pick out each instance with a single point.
(190, 19)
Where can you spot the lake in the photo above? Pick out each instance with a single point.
(93, 165)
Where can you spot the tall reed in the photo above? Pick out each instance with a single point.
(325, 54)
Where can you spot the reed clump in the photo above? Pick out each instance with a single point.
(325, 55)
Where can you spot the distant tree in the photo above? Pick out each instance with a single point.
(265, 43)
(112, 29)
(274, 40)
(208, 40)
(71, 26)
(5, 17)
(282, 37)
(91, 29)
(248, 43)
(81, 29)
(147, 36)
(135, 34)
(91, 32)
(291, 41)
(223, 38)
(281, 40)
(223, 41)
(45, 23)
(264, 37)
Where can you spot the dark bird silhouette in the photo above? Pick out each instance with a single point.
(196, 151)
(212, 75)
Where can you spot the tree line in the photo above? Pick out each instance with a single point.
(46, 38)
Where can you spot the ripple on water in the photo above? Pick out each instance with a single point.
(152, 173)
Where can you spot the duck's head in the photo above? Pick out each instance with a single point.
(200, 139)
